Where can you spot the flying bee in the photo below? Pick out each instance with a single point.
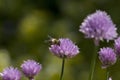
(53, 41)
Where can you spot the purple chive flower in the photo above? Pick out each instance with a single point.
(99, 26)
(117, 46)
(31, 68)
(11, 73)
(107, 57)
(65, 49)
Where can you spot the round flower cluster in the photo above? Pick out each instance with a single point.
(99, 26)
(65, 49)
(30, 68)
(107, 57)
(11, 73)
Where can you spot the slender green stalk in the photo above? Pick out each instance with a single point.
(107, 73)
(93, 63)
(62, 70)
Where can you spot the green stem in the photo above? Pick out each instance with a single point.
(62, 70)
(93, 63)
(107, 73)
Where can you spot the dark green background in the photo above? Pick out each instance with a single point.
(25, 25)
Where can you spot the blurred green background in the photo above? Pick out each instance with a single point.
(25, 25)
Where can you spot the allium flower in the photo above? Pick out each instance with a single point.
(117, 46)
(11, 74)
(107, 57)
(31, 68)
(99, 26)
(65, 49)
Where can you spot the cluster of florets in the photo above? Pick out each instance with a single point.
(65, 49)
(107, 57)
(99, 27)
(30, 68)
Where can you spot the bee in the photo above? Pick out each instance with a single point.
(53, 41)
